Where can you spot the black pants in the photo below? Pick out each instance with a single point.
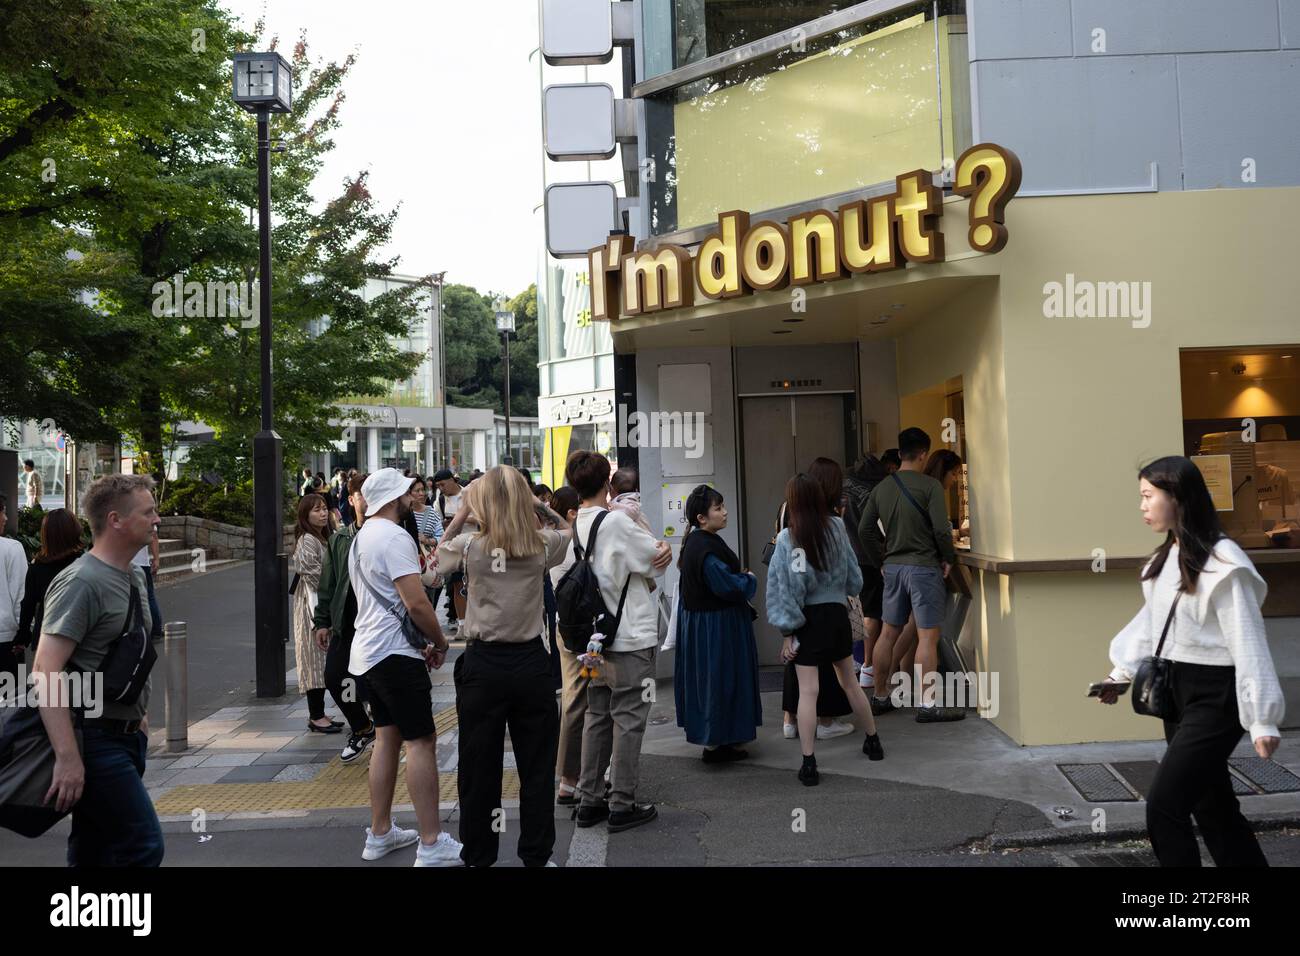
(10, 658)
(1193, 779)
(348, 696)
(500, 686)
(450, 588)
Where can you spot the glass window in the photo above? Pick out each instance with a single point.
(678, 32)
(846, 111)
(1241, 425)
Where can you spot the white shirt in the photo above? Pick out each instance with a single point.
(1219, 624)
(143, 558)
(451, 504)
(13, 583)
(622, 549)
(386, 552)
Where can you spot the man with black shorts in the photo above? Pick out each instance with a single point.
(384, 571)
(916, 554)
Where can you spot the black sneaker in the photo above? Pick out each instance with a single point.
(590, 816)
(725, 754)
(934, 715)
(871, 747)
(881, 706)
(808, 774)
(357, 744)
(627, 819)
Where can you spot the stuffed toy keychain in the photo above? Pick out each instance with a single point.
(593, 659)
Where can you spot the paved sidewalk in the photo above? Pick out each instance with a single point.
(974, 758)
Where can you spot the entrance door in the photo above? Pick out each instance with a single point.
(782, 436)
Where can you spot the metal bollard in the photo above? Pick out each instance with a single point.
(178, 686)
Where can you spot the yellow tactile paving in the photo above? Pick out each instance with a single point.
(338, 785)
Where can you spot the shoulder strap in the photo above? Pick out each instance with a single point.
(392, 609)
(579, 552)
(1168, 621)
(916, 504)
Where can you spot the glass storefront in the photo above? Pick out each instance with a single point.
(770, 132)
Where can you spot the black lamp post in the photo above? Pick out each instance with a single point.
(263, 84)
(506, 326)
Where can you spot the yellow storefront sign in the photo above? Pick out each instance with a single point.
(820, 245)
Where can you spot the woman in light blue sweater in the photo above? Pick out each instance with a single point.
(812, 572)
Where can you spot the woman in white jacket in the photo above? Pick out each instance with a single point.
(1222, 676)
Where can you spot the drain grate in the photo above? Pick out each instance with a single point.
(1268, 776)
(1095, 782)
(1138, 774)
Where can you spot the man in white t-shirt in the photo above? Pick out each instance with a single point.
(384, 571)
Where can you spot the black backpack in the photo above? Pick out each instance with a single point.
(580, 610)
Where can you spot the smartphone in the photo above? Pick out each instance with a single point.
(1119, 686)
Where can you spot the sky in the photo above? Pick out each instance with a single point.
(444, 110)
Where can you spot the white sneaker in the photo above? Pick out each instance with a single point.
(836, 728)
(790, 731)
(444, 851)
(394, 839)
(867, 678)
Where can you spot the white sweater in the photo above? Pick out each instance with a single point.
(622, 549)
(13, 581)
(1219, 624)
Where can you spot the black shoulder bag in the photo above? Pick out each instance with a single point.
(1153, 693)
(128, 662)
(769, 549)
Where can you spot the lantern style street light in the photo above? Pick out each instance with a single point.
(263, 84)
(506, 328)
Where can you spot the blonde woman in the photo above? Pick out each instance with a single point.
(503, 679)
(310, 535)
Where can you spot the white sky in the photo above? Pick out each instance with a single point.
(443, 108)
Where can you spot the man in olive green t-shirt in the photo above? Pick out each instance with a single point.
(916, 556)
(87, 609)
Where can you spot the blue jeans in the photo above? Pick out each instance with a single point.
(114, 823)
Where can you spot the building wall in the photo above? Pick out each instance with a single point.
(1182, 83)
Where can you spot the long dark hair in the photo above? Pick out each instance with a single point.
(1196, 523)
(698, 502)
(810, 518)
(828, 473)
(941, 462)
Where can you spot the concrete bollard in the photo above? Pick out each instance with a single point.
(178, 686)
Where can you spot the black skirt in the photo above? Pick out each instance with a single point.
(826, 636)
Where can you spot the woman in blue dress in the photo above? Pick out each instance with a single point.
(715, 672)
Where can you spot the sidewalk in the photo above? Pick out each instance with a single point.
(973, 757)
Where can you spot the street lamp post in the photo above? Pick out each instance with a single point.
(444, 451)
(506, 326)
(263, 84)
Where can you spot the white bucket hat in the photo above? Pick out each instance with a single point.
(383, 486)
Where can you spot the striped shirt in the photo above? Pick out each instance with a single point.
(428, 523)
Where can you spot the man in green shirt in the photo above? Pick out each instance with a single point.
(87, 608)
(916, 553)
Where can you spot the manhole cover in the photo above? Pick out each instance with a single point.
(1095, 782)
(1268, 776)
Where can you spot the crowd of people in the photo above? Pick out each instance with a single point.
(856, 571)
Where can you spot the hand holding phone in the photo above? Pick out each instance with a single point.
(1108, 691)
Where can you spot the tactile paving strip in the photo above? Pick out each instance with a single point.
(1268, 776)
(339, 785)
(1095, 782)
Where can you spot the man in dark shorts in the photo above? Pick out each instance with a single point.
(859, 481)
(385, 575)
(916, 553)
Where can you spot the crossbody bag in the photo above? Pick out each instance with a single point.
(1153, 693)
(410, 630)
